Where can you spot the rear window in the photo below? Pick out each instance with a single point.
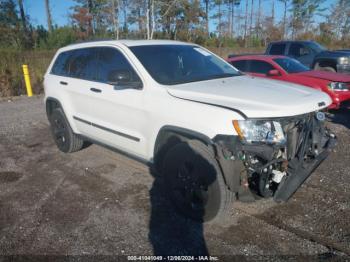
(61, 67)
(277, 49)
(79, 63)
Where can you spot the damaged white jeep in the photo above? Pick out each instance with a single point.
(213, 133)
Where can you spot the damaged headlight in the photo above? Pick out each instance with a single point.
(260, 131)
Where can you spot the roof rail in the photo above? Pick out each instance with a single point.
(92, 41)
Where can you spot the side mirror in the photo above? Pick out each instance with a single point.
(274, 72)
(122, 79)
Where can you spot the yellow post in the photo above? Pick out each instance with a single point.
(27, 80)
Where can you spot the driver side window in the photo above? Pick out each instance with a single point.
(259, 67)
(113, 63)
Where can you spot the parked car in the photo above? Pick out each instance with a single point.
(337, 86)
(212, 132)
(312, 55)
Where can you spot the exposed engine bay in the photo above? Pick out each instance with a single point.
(278, 170)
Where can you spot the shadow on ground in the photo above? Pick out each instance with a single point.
(169, 232)
(341, 116)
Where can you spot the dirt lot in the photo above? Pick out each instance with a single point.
(98, 202)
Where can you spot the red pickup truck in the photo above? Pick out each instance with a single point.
(283, 68)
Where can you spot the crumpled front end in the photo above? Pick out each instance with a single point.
(278, 170)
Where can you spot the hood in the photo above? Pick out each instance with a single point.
(331, 76)
(254, 97)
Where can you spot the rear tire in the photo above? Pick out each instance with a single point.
(63, 134)
(194, 182)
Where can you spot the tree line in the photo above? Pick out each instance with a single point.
(216, 23)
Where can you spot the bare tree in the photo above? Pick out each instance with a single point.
(206, 4)
(23, 16)
(27, 35)
(115, 17)
(251, 19)
(246, 23)
(284, 22)
(48, 15)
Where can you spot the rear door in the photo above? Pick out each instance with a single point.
(74, 71)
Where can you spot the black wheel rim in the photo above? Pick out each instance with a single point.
(188, 191)
(59, 132)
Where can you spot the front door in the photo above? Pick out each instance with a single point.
(118, 114)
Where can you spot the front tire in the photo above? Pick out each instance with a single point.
(63, 134)
(195, 183)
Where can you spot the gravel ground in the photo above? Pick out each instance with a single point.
(99, 204)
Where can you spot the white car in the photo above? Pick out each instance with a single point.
(212, 132)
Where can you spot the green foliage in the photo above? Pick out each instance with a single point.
(10, 25)
(57, 38)
(184, 20)
(11, 75)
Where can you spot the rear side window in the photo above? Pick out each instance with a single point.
(112, 61)
(259, 67)
(277, 49)
(241, 65)
(61, 65)
(79, 63)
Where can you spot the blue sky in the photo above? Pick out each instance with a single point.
(60, 10)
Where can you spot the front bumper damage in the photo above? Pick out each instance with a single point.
(276, 170)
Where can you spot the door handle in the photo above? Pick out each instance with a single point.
(96, 90)
(63, 83)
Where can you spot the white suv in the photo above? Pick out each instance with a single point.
(212, 132)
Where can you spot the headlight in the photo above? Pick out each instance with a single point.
(337, 86)
(344, 60)
(260, 131)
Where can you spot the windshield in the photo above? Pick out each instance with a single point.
(291, 65)
(317, 47)
(177, 64)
